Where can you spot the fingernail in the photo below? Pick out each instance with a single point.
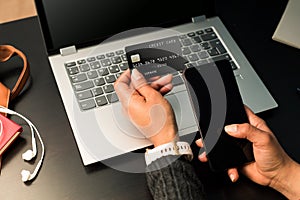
(202, 155)
(231, 128)
(232, 177)
(168, 76)
(135, 74)
(199, 140)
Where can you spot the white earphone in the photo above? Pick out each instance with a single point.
(29, 154)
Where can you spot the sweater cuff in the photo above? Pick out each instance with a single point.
(165, 161)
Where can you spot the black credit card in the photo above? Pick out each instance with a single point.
(157, 57)
(217, 102)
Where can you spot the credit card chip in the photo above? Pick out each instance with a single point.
(135, 58)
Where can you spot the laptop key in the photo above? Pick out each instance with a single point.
(182, 37)
(87, 104)
(113, 69)
(120, 52)
(233, 65)
(103, 72)
(83, 86)
(101, 101)
(193, 57)
(196, 39)
(84, 67)
(110, 79)
(108, 88)
(118, 75)
(100, 57)
(73, 70)
(91, 59)
(217, 44)
(123, 66)
(205, 45)
(177, 80)
(116, 60)
(186, 51)
(208, 36)
(78, 78)
(106, 62)
(200, 32)
(70, 64)
(95, 65)
(124, 58)
(80, 62)
(213, 52)
(111, 54)
(112, 98)
(192, 64)
(92, 74)
(203, 54)
(84, 95)
(99, 81)
(202, 62)
(97, 91)
(186, 42)
(209, 30)
(192, 34)
(222, 57)
(195, 48)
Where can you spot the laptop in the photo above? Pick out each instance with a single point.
(85, 43)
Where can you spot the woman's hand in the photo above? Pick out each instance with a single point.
(146, 107)
(272, 166)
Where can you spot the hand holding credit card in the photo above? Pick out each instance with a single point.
(157, 57)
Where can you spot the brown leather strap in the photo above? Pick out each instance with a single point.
(4, 96)
(6, 52)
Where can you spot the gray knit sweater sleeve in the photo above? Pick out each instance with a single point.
(173, 177)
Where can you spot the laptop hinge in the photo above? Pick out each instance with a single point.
(68, 50)
(197, 19)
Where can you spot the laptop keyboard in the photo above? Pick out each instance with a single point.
(92, 78)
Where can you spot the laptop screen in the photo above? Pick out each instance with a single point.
(84, 22)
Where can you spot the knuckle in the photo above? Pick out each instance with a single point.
(244, 128)
(263, 122)
(267, 138)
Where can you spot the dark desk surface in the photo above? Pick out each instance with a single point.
(63, 175)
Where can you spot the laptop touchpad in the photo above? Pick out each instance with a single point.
(180, 104)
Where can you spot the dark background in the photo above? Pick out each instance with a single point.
(63, 176)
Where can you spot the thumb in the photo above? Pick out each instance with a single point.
(138, 80)
(246, 131)
(141, 85)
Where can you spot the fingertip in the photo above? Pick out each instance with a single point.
(165, 89)
(232, 177)
(135, 74)
(162, 83)
(169, 77)
(169, 86)
(199, 143)
(137, 79)
(235, 130)
(231, 128)
(233, 174)
(202, 157)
